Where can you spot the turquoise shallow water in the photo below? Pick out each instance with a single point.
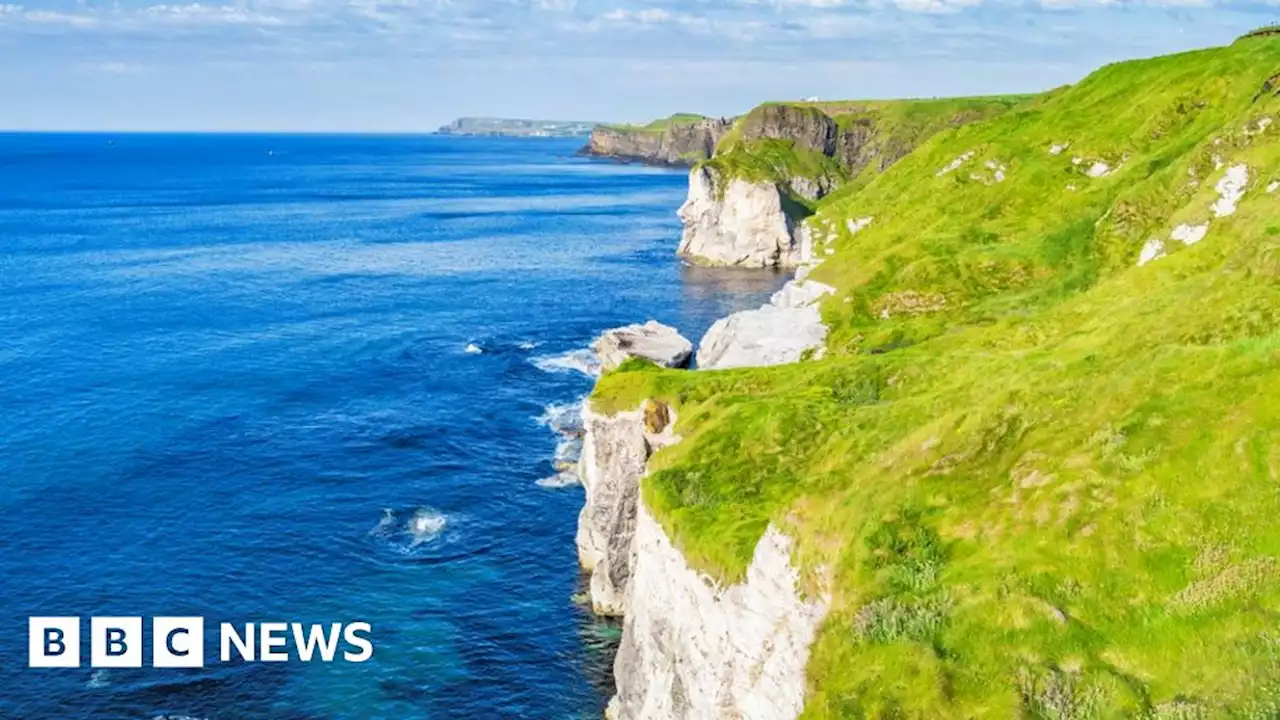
(265, 378)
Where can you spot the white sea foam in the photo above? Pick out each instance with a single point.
(563, 417)
(473, 349)
(581, 360)
(425, 525)
(528, 344)
(386, 524)
(567, 478)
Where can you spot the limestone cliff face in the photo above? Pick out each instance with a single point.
(738, 222)
(615, 451)
(678, 144)
(694, 650)
(691, 649)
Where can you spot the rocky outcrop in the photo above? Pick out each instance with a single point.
(677, 144)
(614, 452)
(775, 334)
(807, 127)
(615, 449)
(730, 220)
(692, 649)
(653, 341)
(738, 222)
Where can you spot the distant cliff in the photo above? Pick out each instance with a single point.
(679, 140)
(508, 127)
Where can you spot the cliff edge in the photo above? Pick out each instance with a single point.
(747, 202)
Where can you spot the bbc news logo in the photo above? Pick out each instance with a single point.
(178, 642)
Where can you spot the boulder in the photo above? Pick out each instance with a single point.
(652, 341)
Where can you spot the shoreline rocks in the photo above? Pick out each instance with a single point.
(775, 334)
(653, 341)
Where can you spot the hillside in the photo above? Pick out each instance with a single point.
(830, 144)
(1038, 466)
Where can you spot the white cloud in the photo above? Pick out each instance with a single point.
(49, 17)
(936, 6)
(115, 67)
(198, 14)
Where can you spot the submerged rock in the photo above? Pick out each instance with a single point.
(775, 334)
(652, 341)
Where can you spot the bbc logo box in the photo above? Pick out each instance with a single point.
(115, 642)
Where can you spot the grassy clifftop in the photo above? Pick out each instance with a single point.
(838, 144)
(660, 124)
(1037, 478)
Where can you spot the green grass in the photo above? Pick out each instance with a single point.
(886, 130)
(1050, 491)
(661, 124)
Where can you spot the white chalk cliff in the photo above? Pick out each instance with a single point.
(615, 451)
(738, 223)
(692, 649)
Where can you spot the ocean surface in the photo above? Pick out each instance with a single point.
(316, 379)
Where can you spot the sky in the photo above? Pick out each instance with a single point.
(411, 65)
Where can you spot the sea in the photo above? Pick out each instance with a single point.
(317, 379)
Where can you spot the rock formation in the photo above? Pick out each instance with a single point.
(738, 222)
(653, 341)
(692, 649)
(775, 334)
(678, 143)
(746, 203)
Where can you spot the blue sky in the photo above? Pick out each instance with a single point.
(408, 65)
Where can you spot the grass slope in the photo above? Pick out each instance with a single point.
(887, 130)
(1036, 479)
(661, 124)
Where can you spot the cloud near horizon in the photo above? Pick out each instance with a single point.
(413, 64)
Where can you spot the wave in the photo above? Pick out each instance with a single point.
(565, 420)
(563, 479)
(404, 531)
(581, 360)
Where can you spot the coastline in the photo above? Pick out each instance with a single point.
(632, 572)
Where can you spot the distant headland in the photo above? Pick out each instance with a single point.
(508, 127)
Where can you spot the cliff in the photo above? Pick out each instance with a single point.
(1030, 470)
(747, 202)
(679, 140)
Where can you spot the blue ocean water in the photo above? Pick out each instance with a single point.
(259, 378)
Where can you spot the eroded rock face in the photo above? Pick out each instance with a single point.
(807, 127)
(744, 223)
(681, 144)
(775, 334)
(615, 451)
(694, 650)
(660, 344)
